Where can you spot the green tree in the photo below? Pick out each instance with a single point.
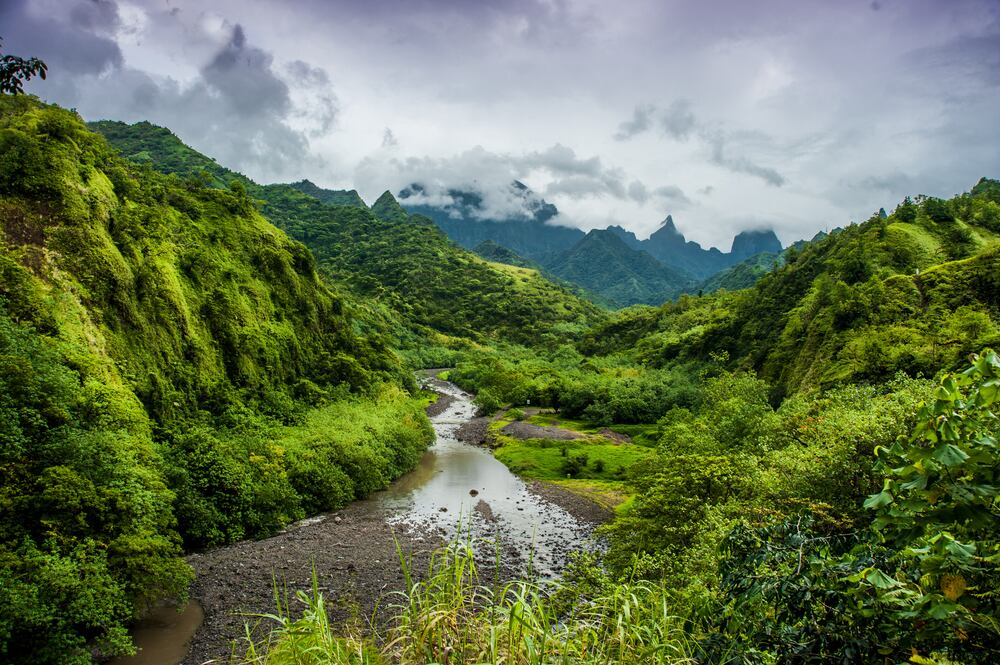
(939, 512)
(14, 70)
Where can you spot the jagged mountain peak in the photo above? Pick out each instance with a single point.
(748, 243)
(387, 208)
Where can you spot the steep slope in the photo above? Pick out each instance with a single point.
(669, 246)
(743, 275)
(751, 243)
(604, 264)
(410, 275)
(464, 220)
(159, 344)
(387, 208)
(914, 291)
(416, 271)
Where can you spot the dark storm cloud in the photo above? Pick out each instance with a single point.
(243, 78)
(857, 103)
(239, 108)
(81, 46)
(236, 110)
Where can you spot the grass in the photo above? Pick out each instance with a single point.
(546, 459)
(642, 434)
(452, 618)
(610, 494)
(593, 457)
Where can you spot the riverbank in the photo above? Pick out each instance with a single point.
(353, 551)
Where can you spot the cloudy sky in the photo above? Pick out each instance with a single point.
(795, 115)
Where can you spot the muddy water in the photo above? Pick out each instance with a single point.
(461, 486)
(163, 635)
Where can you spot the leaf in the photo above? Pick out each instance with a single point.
(950, 455)
(918, 483)
(883, 498)
(880, 580)
(961, 551)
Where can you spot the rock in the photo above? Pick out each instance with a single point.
(443, 509)
(473, 492)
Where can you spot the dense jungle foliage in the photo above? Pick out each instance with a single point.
(174, 373)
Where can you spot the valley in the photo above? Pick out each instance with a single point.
(438, 415)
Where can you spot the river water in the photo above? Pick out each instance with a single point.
(458, 486)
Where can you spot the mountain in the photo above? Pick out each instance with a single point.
(749, 243)
(669, 246)
(330, 196)
(414, 285)
(387, 208)
(530, 235)
(465, 221)
(627, 236)
(603, 263)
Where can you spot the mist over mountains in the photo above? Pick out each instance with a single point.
(612, 263)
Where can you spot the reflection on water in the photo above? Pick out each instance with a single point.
(453, 478)
(163, 635)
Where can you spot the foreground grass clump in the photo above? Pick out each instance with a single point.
(453, 617)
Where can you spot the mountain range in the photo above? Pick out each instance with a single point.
(614, 274)
(612, 263)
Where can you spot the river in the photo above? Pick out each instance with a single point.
(455, 487)
(458, 485)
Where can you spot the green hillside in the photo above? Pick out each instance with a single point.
(405, 269)
(173, 373)
(492, 251)
(602, 263)
(914, 292)
(743, 275)
(338, 197)
(417, 272)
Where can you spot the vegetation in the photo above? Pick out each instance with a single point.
(417, 287)
(175, 374)
(804, 574)
(602, 263)
(15, 70)
(453, 616)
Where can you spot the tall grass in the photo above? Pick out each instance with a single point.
(308, 640)
(450, 617)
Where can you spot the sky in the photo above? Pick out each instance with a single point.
(799, 116)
